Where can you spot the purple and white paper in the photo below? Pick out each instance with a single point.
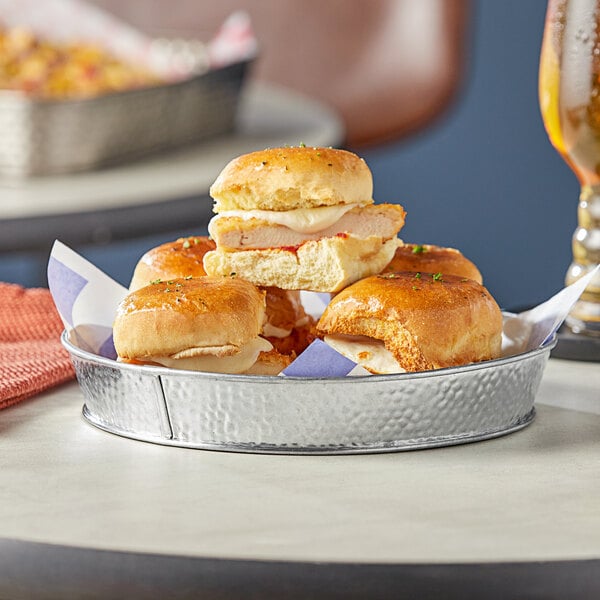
(87, 300)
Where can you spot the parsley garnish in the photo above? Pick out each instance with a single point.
(419, 249)
(437, 277)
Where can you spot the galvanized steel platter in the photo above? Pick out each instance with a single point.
(47, 136)
(247, 413)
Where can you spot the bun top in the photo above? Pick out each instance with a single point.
(219, 314)
(433, 259)
(181, 258)
(289, 178)
(426, 320)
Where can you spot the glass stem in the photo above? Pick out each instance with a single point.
(585, 315)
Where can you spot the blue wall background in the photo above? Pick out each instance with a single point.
(484, 178)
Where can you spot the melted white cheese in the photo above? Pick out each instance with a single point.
(365, 351)
(279, 332)
(276, 332)
(237, 363)
(302, 220)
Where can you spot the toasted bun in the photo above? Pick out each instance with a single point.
(214, 314)
(289, 178)
(284, 308)
(425, 323)
(286, 313)
(182, 258)
(433, 259)
(326, 265)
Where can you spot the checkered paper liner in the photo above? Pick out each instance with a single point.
(87, 299)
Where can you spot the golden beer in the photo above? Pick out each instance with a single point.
(569, 93)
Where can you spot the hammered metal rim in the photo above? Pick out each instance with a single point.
(486, 364)
(18, 96)
(310, 415)
(320, 450)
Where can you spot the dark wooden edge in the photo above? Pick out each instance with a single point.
(35, 570)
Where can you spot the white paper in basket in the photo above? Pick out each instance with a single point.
(87, 299)
(66, 21)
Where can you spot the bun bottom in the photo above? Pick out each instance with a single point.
(326, 265)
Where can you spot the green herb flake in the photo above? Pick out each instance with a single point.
(156, 281)
(186, 244)
(415, 288)
(419, 249)
(188, 277)
(417, 275)
(302, 145)
(437, 277)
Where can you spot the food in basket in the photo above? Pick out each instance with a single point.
(173, 260)
(433, 259)
(202, 324)
(45, 69)
(300, 218)
(408, 322)
(287, 325)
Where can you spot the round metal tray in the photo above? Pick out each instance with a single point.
(248, 413)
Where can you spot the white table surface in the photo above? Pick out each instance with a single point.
(533, 495)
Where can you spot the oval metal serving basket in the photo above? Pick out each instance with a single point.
(247, 413)
(43, 137)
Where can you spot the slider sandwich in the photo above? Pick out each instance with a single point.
(287, 326)
(181, 258)
(300, 218)
(432, 259)
(407, 322)
(201, 324)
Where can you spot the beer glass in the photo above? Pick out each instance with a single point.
(569, 95)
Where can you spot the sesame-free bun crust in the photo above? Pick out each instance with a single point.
(212, 315)
(326, 265)
(289, 178)
(173, 260)
(425, 323)
(433, 259)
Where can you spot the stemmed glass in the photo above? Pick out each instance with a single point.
(569, 94)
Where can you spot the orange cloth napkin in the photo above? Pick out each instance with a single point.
(31, 356)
